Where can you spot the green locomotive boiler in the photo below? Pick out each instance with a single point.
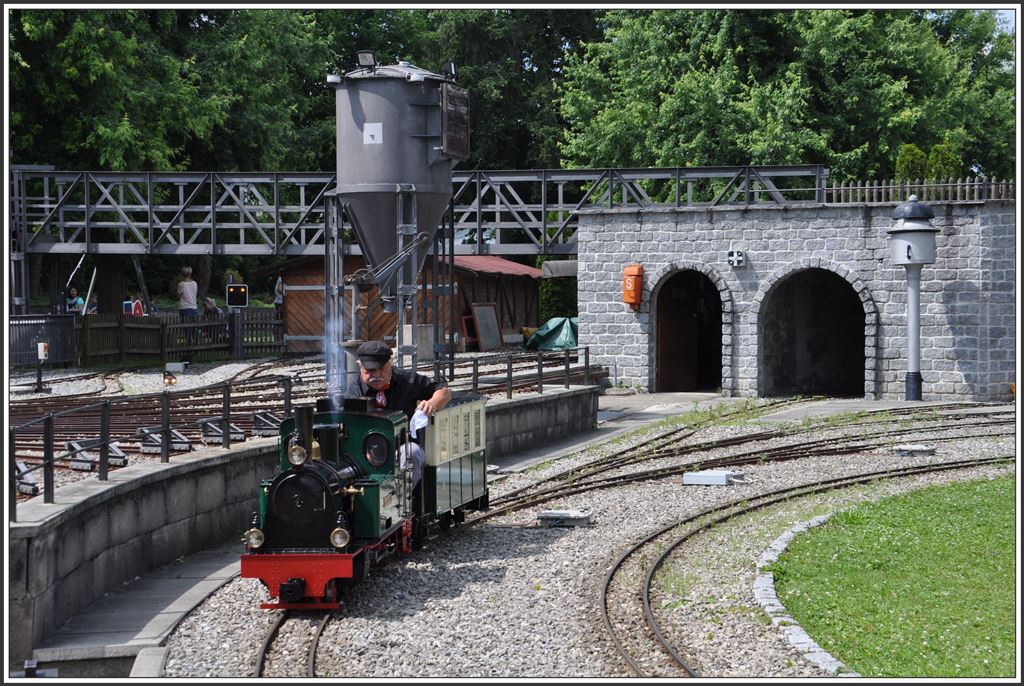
(342, 499)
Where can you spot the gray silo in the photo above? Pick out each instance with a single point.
(390, 134)
(399, 130)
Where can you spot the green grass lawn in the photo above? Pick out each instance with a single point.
(920, 585)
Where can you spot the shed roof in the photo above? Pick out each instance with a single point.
(489, 264)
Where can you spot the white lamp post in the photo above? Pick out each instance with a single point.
(912, 242)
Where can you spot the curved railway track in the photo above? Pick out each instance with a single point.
(275, 660)
(636, 629)
(671, 661)
(292, 653)
(588, 478)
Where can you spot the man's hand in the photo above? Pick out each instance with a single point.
(436, 402)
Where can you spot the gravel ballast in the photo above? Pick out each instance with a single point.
(508, 599)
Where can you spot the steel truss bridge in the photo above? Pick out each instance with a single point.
(518, 212)
(508, 212)
(495, 212)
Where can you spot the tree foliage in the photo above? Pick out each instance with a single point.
(843, 87)
(943, 163)
(911, 163)
(557, 296)
(245, 90)
(510, 60)
(102, 89)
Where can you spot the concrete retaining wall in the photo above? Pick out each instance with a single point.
(530, 420)
(64, 556)
(99, 534)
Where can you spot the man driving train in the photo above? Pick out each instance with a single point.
(397, 389)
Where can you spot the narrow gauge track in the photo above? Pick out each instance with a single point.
(655, 443)
(289, 647)
(671, 662)
(279, 656)
(107, 377)
(666, 444)
(589, 477)
(312, 384)
(22, 411)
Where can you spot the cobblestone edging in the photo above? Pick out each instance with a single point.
(764, 593)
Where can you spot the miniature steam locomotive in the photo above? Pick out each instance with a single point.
(342, 499)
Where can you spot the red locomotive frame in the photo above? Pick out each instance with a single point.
(315, 569)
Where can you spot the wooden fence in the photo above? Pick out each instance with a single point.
(926, 190)
(122, 338)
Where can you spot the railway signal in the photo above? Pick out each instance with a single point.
(238, 295)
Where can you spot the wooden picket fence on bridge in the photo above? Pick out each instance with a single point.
(120, 338)
(927, 190)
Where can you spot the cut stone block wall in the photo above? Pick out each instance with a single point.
(968, 308)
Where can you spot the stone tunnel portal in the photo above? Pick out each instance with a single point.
(689, 352)
(811, 338)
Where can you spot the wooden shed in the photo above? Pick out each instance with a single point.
(512, 287)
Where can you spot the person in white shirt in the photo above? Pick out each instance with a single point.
(187, 291)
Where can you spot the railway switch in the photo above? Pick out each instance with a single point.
(26, 480)
(265, 424)
(85, 459)
(151, 443)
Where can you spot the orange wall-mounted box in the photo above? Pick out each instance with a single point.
(633, 285)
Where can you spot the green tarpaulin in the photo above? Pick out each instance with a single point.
(558, 333)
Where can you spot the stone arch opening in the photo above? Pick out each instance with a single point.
(689, 334)
(811, 337)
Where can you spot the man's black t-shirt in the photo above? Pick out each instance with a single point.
(406, 390)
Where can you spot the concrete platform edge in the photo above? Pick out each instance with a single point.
(150, 663)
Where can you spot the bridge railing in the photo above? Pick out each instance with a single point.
(537, 211)
(495, 212)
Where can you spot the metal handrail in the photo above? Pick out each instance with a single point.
(105, 440)
(50, 456)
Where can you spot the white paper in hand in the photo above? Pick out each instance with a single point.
(419, 420)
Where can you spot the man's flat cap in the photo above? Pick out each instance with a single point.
(373, 354)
